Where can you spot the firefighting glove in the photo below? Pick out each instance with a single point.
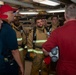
(47, 60)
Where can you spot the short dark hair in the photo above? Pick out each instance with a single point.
(37, 19)
(54, 16)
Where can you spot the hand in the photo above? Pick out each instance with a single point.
(22, 70)
(45, 52)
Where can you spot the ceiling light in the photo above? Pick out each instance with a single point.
(28, 13)
(47, 2)
(55, 11)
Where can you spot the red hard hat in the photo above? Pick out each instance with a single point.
(6, 8)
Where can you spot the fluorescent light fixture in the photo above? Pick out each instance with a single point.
(52, 3)
(47, 2)
(28, 13)
(55, 11)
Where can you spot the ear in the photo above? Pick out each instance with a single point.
(66, 16)
(6, 14)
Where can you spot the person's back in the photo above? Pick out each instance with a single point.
(67, 41)
(65, 38)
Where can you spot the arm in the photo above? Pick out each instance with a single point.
(50, 43)
(45, 52)
(17, 58)
(12, 46)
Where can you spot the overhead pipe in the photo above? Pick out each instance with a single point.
(19, 3)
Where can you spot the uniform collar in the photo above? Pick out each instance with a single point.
(41, 29)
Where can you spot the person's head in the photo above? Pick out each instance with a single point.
(8, 11)
(45, 22)
(70, 11)
(39, 22)
(16, 21)
(54, 20)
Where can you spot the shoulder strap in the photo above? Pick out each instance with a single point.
(48, 30)
(25, 34)
(34, 37)
(23, 31)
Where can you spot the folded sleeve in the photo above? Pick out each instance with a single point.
(51, 42)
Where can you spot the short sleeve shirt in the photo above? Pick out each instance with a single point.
(8, 36)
